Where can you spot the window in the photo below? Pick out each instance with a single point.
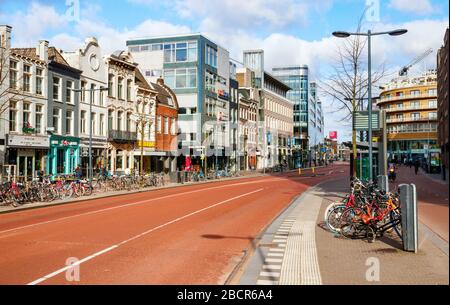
(415, 105)
(166, 125)
(13, 116)
(400, 105)
(83, 122)
(192, 51)
(56, 88)
(119, 120)
(56, 119)
(92, 94)
(157, 47)
(211, 56)
(38, 118)
(69, 86)
(101, 96)
(83, 91)
(13, 74)
(179, 52)
(415, 92)
(69, 122)
(93, 122)
(169, 78)
(415, 116)
(432, 104)
(129, 90)
(432, 92)
(128, 121)
(110, 119)
(158, 124)
(102, 124)
(110, 85)
(26, 115)
(39, 78)
(181, 78)
(134, 49)
(173, 127)
(120, 88)
(26, 78)
(432, 115)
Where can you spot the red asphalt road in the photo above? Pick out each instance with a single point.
(433, 199)
(186, 235)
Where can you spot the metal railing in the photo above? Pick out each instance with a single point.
(406, 96)
(120, 135)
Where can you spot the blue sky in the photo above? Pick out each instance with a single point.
(290, 31)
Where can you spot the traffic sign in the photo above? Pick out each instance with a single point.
(361, 120)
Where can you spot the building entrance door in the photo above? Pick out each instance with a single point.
(25, 167)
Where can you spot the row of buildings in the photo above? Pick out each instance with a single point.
(171, 102)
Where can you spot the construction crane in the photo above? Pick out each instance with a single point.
(404, 70)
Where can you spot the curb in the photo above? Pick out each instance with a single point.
(249, 252)
(19, 209)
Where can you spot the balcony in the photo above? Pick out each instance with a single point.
(406, 97)
(122, 136)
(410, 119)
(408, 108)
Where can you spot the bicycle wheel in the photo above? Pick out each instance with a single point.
(351, 224)
(396, 217)
(332, 219)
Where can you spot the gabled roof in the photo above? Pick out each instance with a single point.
(54, 55)
(165, 95)
(140, 80)
(26, 52)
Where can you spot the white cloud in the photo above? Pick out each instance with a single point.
(31, 25)
(419, 7)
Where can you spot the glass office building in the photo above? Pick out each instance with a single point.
(296, 77)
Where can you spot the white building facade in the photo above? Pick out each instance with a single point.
(93, 108)
(24, 142)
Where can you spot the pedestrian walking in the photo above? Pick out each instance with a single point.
(416, 166)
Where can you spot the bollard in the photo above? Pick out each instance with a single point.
(408, 206)
(313, 169)
(299, 171)
(383, 183)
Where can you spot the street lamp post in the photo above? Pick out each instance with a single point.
(369, 35)
(90, 172)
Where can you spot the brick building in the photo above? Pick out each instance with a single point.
(443, 101)
(166, 127)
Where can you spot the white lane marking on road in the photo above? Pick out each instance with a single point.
(276, 249)
(50, 275)
(266, 282)
(272, 267)
(280, 240)
(275, 254)
(270, 274)
(273, 260)
(129, 204)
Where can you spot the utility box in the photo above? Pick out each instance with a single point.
(408, 206)
(383, 183)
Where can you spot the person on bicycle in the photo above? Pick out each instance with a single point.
(392, 175)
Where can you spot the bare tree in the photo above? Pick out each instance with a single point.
(8, 92)
(347, 85)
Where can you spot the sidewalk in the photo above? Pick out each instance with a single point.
(296, 249)
(168, 185)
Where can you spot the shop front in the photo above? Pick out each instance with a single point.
(99, 156)
(64, 155)
(28, 153)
